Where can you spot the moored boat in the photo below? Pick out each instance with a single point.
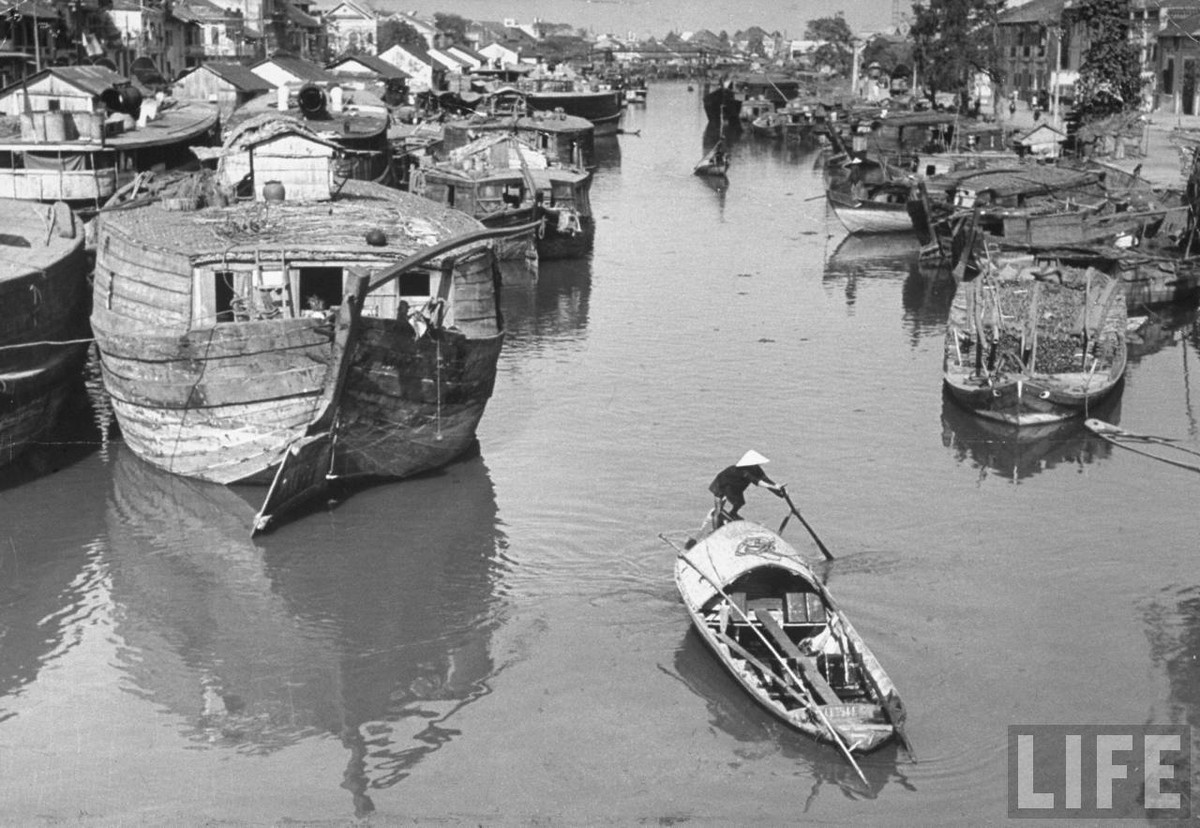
(574, 96)
(869, 209)
(566, 139)
(778, 631)
(330, 316)
(1029, 347)
(79, 133)
(43, 318)
(715, 162)
(501, 181)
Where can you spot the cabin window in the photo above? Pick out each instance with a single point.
(450, 195)
(54, 104)
(561, 192)
(224, 305)
(513, 194)
(415, 285)
(319, 287)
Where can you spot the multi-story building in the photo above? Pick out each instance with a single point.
(208, 32)
(351, 28)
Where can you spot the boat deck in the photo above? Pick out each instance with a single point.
(32, 236)
(179, 122)
(409, 223)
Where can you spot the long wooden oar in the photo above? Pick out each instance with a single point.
(812, 707)
(1120, 437)
(820, 545)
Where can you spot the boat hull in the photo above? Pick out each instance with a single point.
(1031, 401)
(760, 573)
(869, 217)
(43, 319)
(224, 402)
(602, 108)
(1027, 351)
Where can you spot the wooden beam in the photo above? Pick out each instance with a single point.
(808, 668)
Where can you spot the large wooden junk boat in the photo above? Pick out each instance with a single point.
(1029, 347)
(43, 318)
(317, 312)
(80, 133)
(777, 630)
(501, 181)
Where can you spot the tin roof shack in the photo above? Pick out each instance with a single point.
(77, 133)
(1115, 137)
(1043, 141)
(227, 85)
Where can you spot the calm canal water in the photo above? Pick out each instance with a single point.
(502, 643)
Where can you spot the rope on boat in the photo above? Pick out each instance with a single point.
(437, 435)
(40, 342)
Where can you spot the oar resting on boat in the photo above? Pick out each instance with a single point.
(1120, 437)
(744, 583)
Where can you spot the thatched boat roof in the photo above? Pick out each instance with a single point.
(330, 230)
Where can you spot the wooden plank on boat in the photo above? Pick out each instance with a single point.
(808, 667)
(303, 474)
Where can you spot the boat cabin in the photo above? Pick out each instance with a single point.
(78, 133)
(283, 167)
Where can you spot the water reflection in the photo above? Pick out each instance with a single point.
(608, 152)
(926, 296)
(552, 310)
(928, 286)
(733, 712)
(1159, 328)
(45, 600)
(1018, 453)
(321, 631)
(82, 427)
(1173, 629)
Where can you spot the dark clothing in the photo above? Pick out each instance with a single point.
(731, 484)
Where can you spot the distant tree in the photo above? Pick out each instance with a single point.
(837, 42)
(452, 25)
(952, 41)
(1110, 79)
(393, 32)
(887, 52)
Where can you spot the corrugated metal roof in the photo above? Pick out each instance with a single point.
(300, 17)
(300, 68)
(1048, 12)
(237, 75)
(374, 63)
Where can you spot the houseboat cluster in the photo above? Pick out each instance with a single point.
(287, 279)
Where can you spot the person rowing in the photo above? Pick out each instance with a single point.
(730, 484)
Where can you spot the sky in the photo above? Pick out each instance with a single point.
(644, 18)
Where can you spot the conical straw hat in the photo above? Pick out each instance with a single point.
(752, 458)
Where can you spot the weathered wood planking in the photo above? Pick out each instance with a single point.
(223, 400)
